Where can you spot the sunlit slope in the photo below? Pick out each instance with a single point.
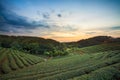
(103, 65)
(97, 48)
(11, 60)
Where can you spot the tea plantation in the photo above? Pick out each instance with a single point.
(11, 60)
(100, 62)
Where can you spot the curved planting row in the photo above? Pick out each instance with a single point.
(11, 60)
(106, 73)
(69, 67)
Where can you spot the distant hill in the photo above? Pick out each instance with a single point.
(96, 48)
(93, 41)
(49, 47)
(34, 45)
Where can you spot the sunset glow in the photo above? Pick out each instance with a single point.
(62, 20)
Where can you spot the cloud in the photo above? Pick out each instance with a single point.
(38, 13)
(10, 20)
(46, 15)
(115, 28)
(59, 15)
(90, 32)
(70, 28)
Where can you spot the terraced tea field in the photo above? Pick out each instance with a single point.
(11, 60)
(102, 65)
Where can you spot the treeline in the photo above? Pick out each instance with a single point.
(93, 41)
(33, 45)
(49, 47)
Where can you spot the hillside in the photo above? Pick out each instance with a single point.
(12, 60)
(33, 45)
(49, 47)
(102, 65)
(93, 41)
(96, 48)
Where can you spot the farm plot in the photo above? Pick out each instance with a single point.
(72, 67)
(11, 60)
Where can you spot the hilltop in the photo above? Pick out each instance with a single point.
(93, 41)
(50, 47)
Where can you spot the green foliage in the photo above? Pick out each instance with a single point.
(96, 48)
(22, 59)
(106, 73)
(2, 53)
(5, 67)
(102, 65)
(56, 52)
(93, 41)
(99, 66)
(18, 61)
(13, 60)
(33, 45)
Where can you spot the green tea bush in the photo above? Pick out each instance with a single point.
(18, 61)
(12, 62)
(5, 67)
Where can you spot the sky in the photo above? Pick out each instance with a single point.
(61, 20)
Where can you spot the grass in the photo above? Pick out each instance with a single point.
(106, 73)
(18, 61)
(22, 60)
(96, 48)
(102, 65)
(71, 67)
(5, 67)
(2, 54)
(11, 60)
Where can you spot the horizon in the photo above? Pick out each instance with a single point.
(61, 41)
(60, 20)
